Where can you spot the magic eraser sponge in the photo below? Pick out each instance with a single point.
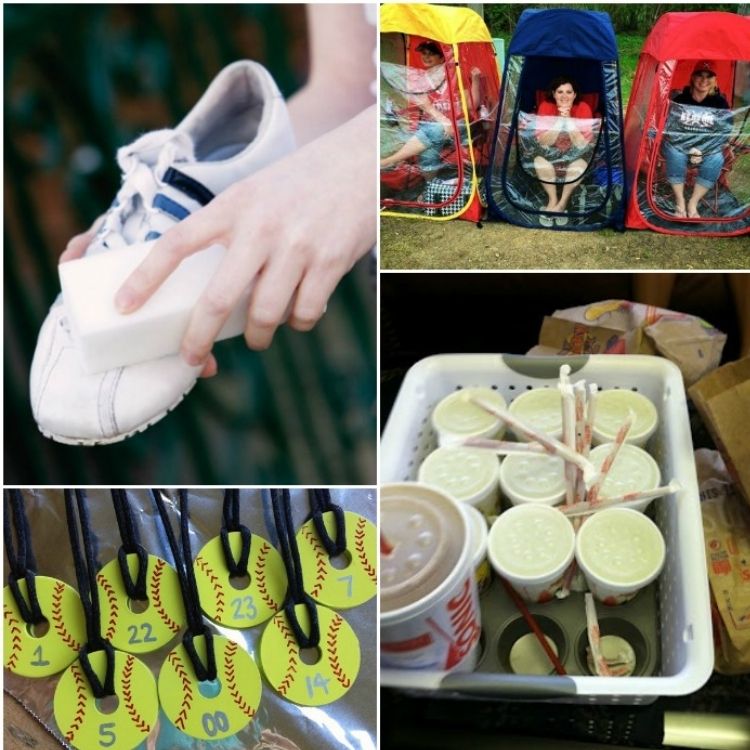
(105, 338)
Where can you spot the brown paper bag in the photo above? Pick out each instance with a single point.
(723, 400)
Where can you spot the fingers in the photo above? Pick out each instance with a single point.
(78, 245)
(233, 277)
(189, 236)
(210, 368)
(312, 299)
(269, 305)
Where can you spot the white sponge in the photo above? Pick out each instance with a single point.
(107, 339)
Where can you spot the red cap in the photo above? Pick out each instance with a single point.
(705, 66)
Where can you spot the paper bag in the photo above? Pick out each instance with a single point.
(723, 401)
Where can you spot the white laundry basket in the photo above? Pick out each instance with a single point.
(684, 625)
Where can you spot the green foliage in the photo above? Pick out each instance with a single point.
(626, 17)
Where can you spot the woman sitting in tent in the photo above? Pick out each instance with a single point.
(561, 144)
(695, 137)
(434, 132)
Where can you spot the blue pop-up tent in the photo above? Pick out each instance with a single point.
(579, 45)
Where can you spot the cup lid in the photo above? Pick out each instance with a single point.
(540, 408)
(478, 533)
(621, 547)
(634, 470)
(531, 542)
(612, 409)
(533, 478)
(457, 415)
(427, 533)
(463, 473)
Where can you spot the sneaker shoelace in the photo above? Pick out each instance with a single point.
(153, 192)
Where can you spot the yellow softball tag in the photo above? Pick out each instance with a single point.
(28, 652)
(140, 627)
(122, 723)
(335, 662)
(243, 603)
(210, 710)
(356, 580)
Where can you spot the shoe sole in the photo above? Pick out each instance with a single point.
(118, 438)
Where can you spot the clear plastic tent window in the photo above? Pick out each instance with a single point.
(699, 147)
(586, 154)
(429, 150)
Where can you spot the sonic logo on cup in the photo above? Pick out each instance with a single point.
(466, 629)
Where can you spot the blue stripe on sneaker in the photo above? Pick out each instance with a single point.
(186, 184)
(170, 207)
(152, 235)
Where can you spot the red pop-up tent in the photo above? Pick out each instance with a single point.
(677, 45)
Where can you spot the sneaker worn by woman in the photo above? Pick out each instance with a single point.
(239, 126)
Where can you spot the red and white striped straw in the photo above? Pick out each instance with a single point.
(569, 437)
(620, 438)
(502, 447)
(552, 445)
(592, 627)
(624, 501)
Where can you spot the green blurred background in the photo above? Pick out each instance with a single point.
(81, 80)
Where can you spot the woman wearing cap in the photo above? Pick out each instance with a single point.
(561, 144)
(435, 129)
(702, 92)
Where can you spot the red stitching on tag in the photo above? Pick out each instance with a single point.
(260, 578)
(321, 561)
(156, 598)
(241, 703)
(14, 624)
(57, 618)
(292, 649)
(187, 691)
(80, 703)
(359, 546)
(127, 694)
(333, 656)
(114, 608)
(205, 568)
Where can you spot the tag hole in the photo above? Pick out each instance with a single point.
(310, 656)
(137, 606)
(239, 582)
(108, 705)
(39, 630)
(209, 688)
(342, 561)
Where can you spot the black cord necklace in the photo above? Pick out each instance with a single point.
(282, 514)
(320, 502)
(231, 523)
(22, 562)
(182, 555)
(131, 545)
(76, 510)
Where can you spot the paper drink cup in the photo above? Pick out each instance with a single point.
(633, 471)
(611, 411)
(456, 418)
(429, 604)
(540, 408)
(466, 474)
(531, 546)
(619, 551)
(533, 478)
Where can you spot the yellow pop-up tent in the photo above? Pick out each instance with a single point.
(438, 95)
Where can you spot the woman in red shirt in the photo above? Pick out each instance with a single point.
(561, 144)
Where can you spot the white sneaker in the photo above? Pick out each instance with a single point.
(239, 126)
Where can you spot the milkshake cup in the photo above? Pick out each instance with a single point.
(429, 604)
(612, 407)
(619, 551)
(632, 471)
(456, 418)
(466, 474)
(540, 408)
(533, 478)
(531, 546)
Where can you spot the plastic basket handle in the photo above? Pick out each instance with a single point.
(543, 367)
(510, 686)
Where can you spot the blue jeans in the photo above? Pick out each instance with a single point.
(434, 137)
(678, 162)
